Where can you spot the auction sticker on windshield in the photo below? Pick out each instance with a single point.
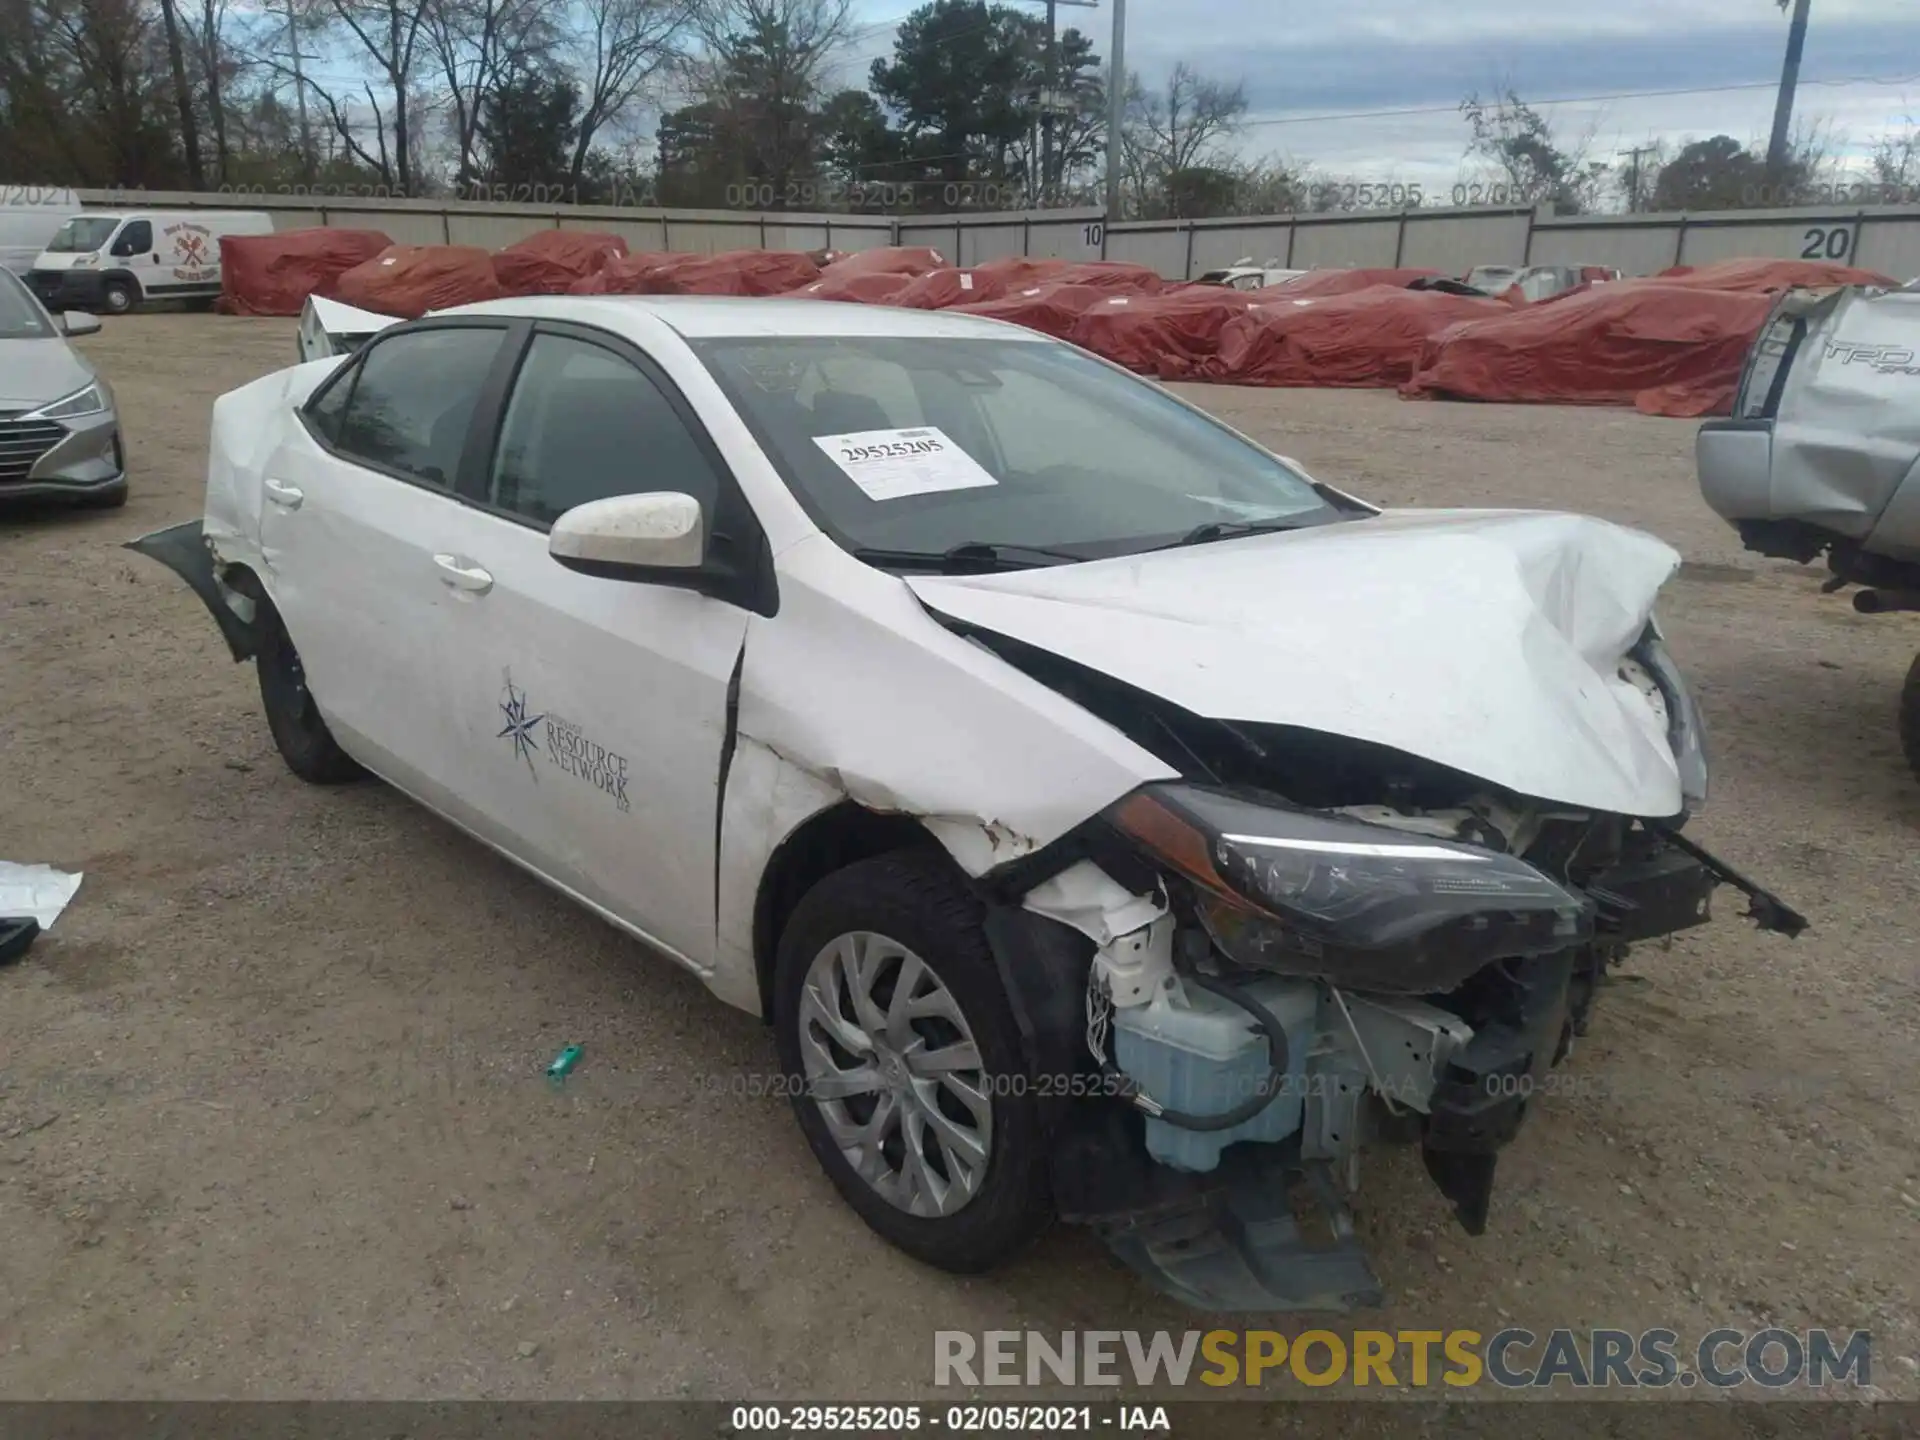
(891, 464)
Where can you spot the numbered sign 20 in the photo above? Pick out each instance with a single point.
(1828, 242)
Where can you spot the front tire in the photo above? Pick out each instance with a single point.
(301, 734)
(117, 297)
(1910, 717)
(898, 1043)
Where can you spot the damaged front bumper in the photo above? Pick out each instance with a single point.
(183, 549)
(1256, 1218)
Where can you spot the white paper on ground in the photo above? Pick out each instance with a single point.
(37, 890)
(889, 464)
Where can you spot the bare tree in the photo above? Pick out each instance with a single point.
(1176, 131)
(212, 58)
(1534, 163)
(1896, 163)
(1183, 125)
(389, 34)
(183, 95)
(617, 49)
(475, 43)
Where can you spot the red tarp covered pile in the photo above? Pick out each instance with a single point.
(1345, 282)
(945, 288)
(1017, 272)
(274, 274)
(732, 272)
(548, 262)
(409, 280)
(640, 273)
(1667, 349)
(1172, 336)
(1051, 309)
(873, 288)
(739, 272)
(1765, 277)
(908, 260)
(1370, 337)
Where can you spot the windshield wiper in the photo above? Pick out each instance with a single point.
(1231, 530)
(969, 554)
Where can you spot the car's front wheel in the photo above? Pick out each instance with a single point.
(905, 1063)
(118, 297)
(301, 734)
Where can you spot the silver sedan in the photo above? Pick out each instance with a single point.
(59, 429)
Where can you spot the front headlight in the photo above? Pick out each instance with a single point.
(86, 262)
(1686, 727)
(1302, 893)
(90, 401)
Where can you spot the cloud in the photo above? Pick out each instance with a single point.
(1299, 62)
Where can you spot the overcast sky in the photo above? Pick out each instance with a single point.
(1302, 59)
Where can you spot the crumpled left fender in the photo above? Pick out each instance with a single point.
(854, 684)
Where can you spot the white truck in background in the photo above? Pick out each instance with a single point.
(115, 260)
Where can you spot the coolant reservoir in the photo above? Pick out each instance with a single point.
(1204, 1055)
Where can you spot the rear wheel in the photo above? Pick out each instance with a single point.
(897, 1039)
(1910, 717)
(303, 738)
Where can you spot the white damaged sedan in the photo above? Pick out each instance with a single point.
(1113, 822)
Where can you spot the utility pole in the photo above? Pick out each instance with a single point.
(1633, 174)
(1046, 108)
(1052, 102)
(300, 96)
(1116, 106)
(1789, 78)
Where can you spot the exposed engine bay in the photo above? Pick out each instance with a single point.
(1401, 957)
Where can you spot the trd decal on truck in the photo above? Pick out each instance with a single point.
(1887, 359)
(567, 747)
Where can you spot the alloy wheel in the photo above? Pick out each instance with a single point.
(891, 1062)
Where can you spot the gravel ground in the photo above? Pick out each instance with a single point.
(271, 1114)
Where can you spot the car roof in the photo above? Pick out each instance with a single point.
(704, 317)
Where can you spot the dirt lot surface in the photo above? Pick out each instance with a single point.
(272, 1119)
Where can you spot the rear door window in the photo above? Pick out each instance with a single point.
(413, 399)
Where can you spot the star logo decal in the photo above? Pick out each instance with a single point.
(520, 725)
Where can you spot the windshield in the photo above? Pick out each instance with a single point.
(923, 444)
(81, 234)
(20, 315)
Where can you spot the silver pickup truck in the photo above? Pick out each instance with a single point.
(1821, 457)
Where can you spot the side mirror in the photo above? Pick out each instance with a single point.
(615, 537)
(78, 322)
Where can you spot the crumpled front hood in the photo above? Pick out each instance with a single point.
(1487, 640)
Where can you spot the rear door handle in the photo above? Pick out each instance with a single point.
(458, 576)
(283, 494)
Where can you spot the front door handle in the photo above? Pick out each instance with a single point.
(470, 578)
(284, 495)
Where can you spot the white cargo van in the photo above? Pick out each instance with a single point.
(29, 217)
(113, 261)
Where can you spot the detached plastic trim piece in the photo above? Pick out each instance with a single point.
(17, 934)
